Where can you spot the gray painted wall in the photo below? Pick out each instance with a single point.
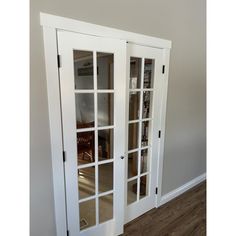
(183, 22)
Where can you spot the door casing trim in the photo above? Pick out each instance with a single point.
(51, 24)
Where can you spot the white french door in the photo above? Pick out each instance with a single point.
(93, 93)
(110, 103)
(144, 69)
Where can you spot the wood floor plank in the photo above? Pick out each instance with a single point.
(183, 216)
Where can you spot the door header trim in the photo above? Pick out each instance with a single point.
(68, 24)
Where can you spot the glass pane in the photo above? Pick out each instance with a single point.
(105, 177)
(105, 144)
(132, 164)
(105, 78)
(144, 161)
(145, 133)
(105, 109)
(105, 208)
(147, 99)
(143, 186)
(84, 103)
(133, 135)
(132, 191)
(134, 102)
(87, 214)
(86, 179)
(135, 72)
(83, 69)
(85, 147)
(148, 73)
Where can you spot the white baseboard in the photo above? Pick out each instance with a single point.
(176, 192)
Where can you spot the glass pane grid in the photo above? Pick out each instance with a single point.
(83, 69)
(86, 182)
(135, 72)
(106, 127)
(148, 73)
(143, 174)
(139, 184)
(105, 161)
(140, 120)
(105, 91)
(132, 178)
(80, 130)
(87, 199)
(137, 149)
(145, 133)
(137, 176)
(105, 177)
(96, 196)
(133, 138)
(132, 164)
(105, 208)
(105, 109)
(144, 186)
(141, 90)
(132, 191)
(78, 91)
(87, 211)
(88, 91)
(147, 104)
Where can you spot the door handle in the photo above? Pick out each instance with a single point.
(122, 157)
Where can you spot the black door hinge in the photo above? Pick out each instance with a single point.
(64, 156)
(163, 69)
(59, 61)
(156, 190)
(159, 134)
(67, 233)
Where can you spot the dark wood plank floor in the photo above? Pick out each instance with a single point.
(184, 215)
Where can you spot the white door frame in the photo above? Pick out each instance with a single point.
(50, 25)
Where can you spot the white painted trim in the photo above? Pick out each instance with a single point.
(162, 102)
(54, 109)
(175, 193)
(68, 24)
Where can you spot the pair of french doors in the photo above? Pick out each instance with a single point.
(109, 112)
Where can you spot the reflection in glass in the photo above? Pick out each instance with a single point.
(84, 103)
(147, 98)
(86, 179)
(143, 186)
(132, 164)
(134, 101)
(133, 135)
(85, 147)
(145, 133)
(131, 191)
(148, 73)
(105, 177)
(144, 161)
(105, 109)
(87, 214)
(105, 208)
(83, 69)
(105, 64)
(135, 72)
(105, 144)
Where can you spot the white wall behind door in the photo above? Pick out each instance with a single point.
(181, 21)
